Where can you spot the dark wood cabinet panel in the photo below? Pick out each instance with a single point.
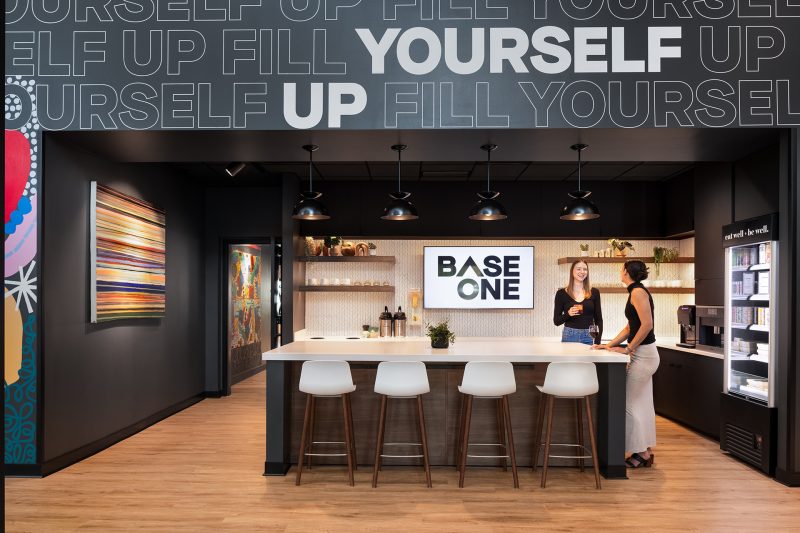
(686, 388)
(710, 291)
(712, 210)
(679, 204)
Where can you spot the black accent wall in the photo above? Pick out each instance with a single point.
(725, 193)
(99, 379)
(231, 213)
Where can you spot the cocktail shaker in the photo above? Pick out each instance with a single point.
(386, 322)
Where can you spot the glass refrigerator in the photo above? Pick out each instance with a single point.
(750, 341)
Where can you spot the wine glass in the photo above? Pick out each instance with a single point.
(594, 331)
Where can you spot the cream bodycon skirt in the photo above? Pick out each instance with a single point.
(640, 415)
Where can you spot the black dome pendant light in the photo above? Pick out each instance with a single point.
(400, 208)
(488, 207)
(579, 207)
(309, 207)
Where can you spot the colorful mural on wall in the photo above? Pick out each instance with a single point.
(128, 267)
(245, 283)
(20, 220)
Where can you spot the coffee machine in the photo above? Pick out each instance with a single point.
(686, 320)
(710, 327)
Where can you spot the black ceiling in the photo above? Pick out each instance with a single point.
(643, 154)
(266, 172)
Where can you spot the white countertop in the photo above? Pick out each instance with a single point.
(671, 343)
(518, 350)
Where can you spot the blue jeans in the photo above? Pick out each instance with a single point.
(576, 335)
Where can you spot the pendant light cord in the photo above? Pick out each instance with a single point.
(399, 154)
(310, 170)
(488, 169)
(579, 168)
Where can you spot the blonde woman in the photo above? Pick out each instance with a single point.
(577, 307)
(640, 415)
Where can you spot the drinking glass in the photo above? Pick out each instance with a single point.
(594, 331)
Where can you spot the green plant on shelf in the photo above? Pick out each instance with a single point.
(664, 255)
(620, 246)
(440, 334)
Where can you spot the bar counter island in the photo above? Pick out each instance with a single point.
(285, 404)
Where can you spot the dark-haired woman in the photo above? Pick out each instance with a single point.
(577, 306)
(640, 416)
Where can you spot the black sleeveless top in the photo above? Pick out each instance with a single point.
(634, 323)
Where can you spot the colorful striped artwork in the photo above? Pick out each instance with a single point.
(128, 257)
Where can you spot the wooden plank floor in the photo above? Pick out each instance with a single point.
(200, 470)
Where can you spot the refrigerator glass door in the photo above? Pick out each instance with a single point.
(750, 279)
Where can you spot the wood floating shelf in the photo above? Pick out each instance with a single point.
(651, 259)
(346, 259)
(346, 288)
(653, 290)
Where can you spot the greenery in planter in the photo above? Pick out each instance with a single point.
(372, 246)
(440, 334)
(664, 255)
(584, 247)
(620, 245)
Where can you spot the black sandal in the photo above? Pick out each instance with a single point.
(640, 461)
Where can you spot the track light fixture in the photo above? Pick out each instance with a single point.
(234, 167)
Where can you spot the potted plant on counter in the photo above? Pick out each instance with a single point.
(440, 335)
(336, 245)
(373, 250)
(620, 247)
(584, 249)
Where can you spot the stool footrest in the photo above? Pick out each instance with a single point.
(399, 456)
(327, 442)
(490, 456)
(402, 444)
(570, 456)
(325, 454)
(487, 444)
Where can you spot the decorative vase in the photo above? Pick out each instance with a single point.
(620, 253)
(336, 249)
(584, 253)
(373, 252)
(440, 343)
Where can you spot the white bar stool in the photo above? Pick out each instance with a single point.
(401, 380)
(488, 380)
(326, 379)
(577, 381)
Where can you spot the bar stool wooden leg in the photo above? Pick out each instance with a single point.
(352, 431)
(348, 440)
(501, 433)
(379, 442)
(465, 441)
(424, 438)
(579, 418)
(537, 441)
(462, 417)
(513, 453)
(594, 444)
(548, 438)
(311, 429)
(303, 440)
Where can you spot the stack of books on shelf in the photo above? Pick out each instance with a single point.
(762, 352)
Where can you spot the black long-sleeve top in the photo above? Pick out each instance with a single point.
(592, 312)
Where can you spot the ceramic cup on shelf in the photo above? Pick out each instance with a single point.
(326, 281)
(337, 281)
(346, 281)
(313, 282)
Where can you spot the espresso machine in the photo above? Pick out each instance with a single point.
(710, 327)
(686, 321)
